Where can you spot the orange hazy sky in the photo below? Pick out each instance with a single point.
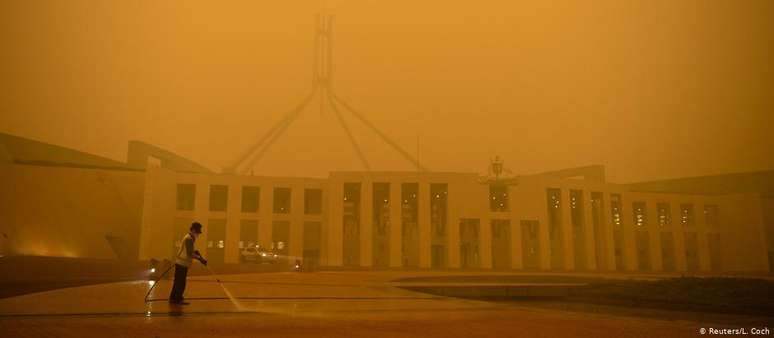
(651, 89)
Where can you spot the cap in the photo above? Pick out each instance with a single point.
(196, 227)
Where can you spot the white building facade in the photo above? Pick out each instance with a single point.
(564, 221)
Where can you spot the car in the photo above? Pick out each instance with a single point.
(256, 254)
(250, 254)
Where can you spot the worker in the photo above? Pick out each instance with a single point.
(183, 261)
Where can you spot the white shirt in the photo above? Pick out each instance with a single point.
(185, 254)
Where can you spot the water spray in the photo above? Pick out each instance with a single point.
(234, 300)
(231, 297)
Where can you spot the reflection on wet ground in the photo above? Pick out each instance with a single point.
(303, 304)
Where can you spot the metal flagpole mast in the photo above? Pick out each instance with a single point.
(322, 84)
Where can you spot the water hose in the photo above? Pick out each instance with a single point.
(156, 282)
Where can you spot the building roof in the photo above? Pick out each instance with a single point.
(139, 152)
(22, 150)
(750, 182)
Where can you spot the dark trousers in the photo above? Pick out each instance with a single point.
(181, 272)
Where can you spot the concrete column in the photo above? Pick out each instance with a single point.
(517, 259)
(366, 223)
(588, 231)
(567, 239)
(654, 236)
(607, 226)
(296, 249)
(159, 208)
(396, 225)
(146, 221)
(681, 264)
(424, 224)
(148, 228)
(629, 249)
(233, 216)
(265, 214)
(336, 224)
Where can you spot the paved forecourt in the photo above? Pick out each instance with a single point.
(318, 304)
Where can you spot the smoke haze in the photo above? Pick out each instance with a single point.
(651, 89)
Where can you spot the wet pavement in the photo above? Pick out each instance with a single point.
(318, 304)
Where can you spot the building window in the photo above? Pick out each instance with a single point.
(469, 228)
(500, 228)
(351, 224)
(439, 194)
(615, 210)
(216, 240)
(409, 208)
(186, 196)
(312, 201)
(554, 198)
(687, 217)
(281, 200)
(498, 197)
(248, 233)
(576, 208)
(409, 223)
(529, 244)
(597, 212)
(381, 208)
(711, 215)
(575, 196)
(352, 206)
(469, 242)
(218, 197)
(251, 198)
(664, 214)
(532, 229)
(640, 215)
(280, 237)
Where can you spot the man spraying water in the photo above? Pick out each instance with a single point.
(183, 261)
